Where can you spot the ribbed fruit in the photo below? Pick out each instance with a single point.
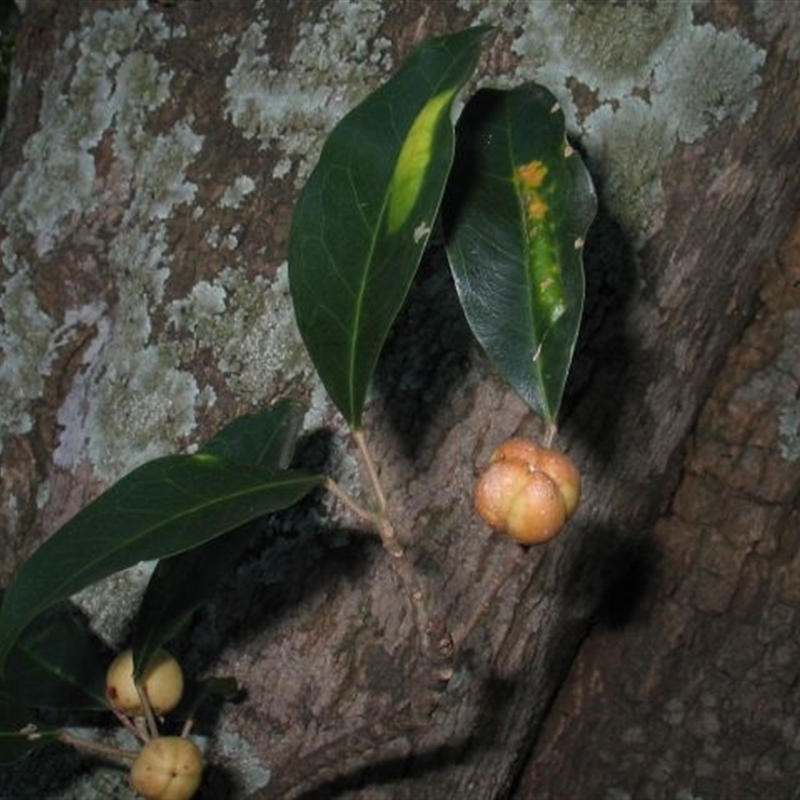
(527, 492)
(167, 768)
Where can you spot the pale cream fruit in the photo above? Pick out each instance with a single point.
(162, 681)
(167, 768)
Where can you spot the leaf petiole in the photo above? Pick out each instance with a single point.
(385, 527)
(348, 502)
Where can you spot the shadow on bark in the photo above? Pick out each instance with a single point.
(611, 576)
(427, 357)
(292, 557)
(498, 694)
(598, 389)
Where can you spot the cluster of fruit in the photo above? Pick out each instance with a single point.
(526, 492)
(167, 767)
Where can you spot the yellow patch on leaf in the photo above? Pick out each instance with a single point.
(412, 162)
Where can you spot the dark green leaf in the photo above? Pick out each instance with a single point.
(266, 437)
(516, 213)
(365, 215)
(19, 733)
(58, 662)
(183, 582)
(162, 508)
(178, 586)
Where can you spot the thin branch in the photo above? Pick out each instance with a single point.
(187, 728)
(385, 527)
(394, 547)
(130, 725)
(487, 599)
(372, 472)
(95, 748)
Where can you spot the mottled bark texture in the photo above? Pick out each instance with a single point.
(696, 695)
(149, 165)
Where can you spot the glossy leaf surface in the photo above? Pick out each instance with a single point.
(164, 507)
(365, 215)
(183, 582)
(266, 437)
(516, 213)
(58, 662)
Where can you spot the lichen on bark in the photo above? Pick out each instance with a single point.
(145, 304)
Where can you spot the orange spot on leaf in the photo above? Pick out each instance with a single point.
(537, 207)
(532, 174)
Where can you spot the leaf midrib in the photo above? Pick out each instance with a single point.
(60, 590)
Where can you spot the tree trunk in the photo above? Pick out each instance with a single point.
(151, 157)
(698, 692)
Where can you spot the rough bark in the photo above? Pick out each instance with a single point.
(121, 300)
(697, 694)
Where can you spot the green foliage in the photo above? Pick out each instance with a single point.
(517, 206)
(516, 214)
(58, 663)
(366, 213)
(167, 506)
(175, 508)
(264, 440)
(164, 507)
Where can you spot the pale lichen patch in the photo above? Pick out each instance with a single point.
(238, 755)
(159, 175)
(89, 84)
(123, 395)
(195, 315)
(641, 62)
(233, 196)
(141, 393)
(25, 335)
(140, 75)
(130, 399)
(102, 602)
(333, 65)
(789, 432)
(247, 324)
(728, 91)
